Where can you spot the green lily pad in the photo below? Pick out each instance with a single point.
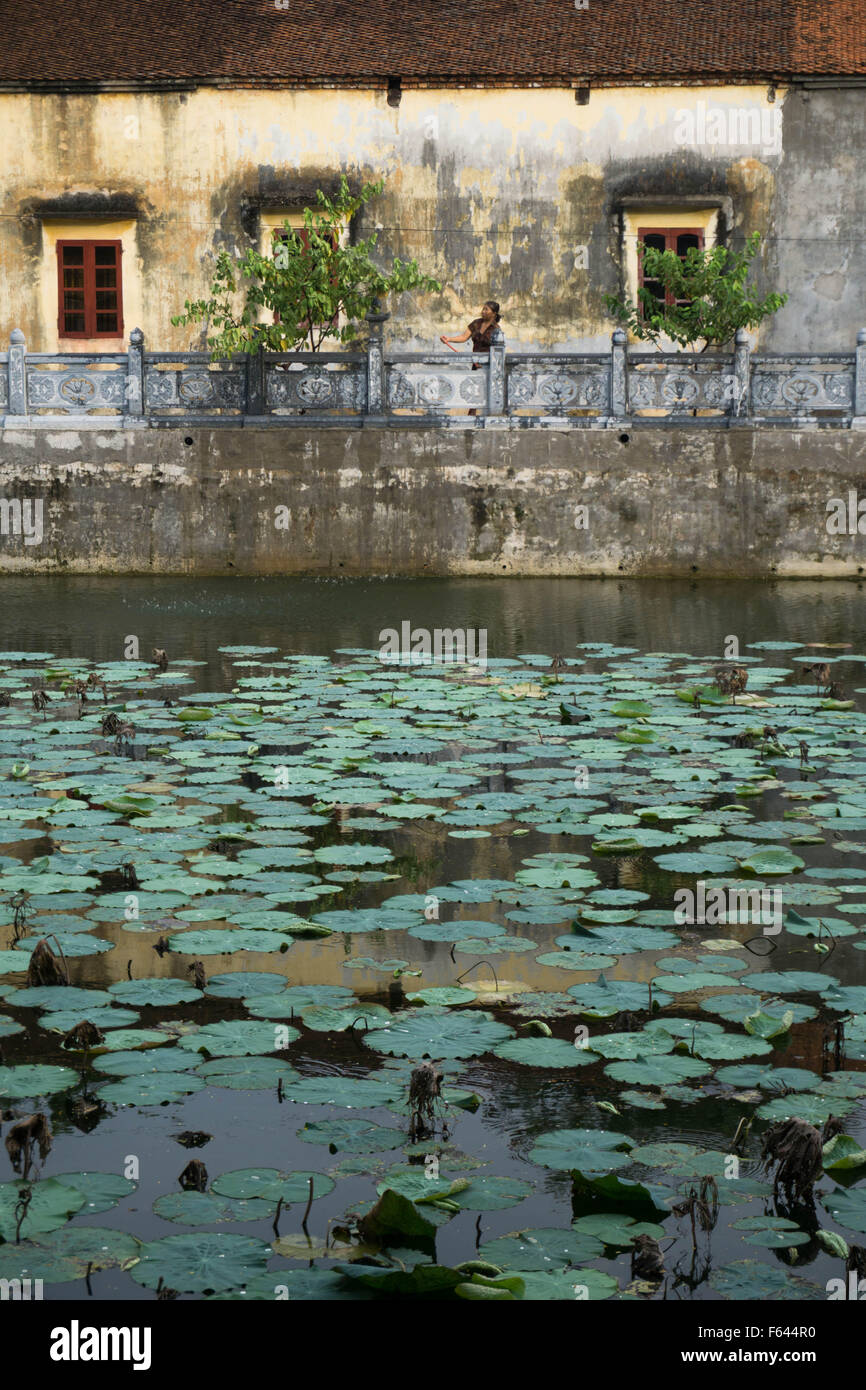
(62, 1256)
(297, 1286)
(487, 1192)
(216, 942)
(458, 930)
(544, 1052)
(772, 861)
(102, 1191)
(51, 1205)
(444, 995)
(541, 1249)
(657, 1071)
(394, 1218)
(750, 1280)
(763, 1025)
(132, 1039)
(271, 1185)
(159, 993)
(725, 1046)
(34, 1080)
(246, 1073)
(142, 1063)
(151, 1088)
(592, 1151)
(64, 997)
(772, 1232)
(583, 1285)
(205, 1261)
(325, 1020)
(239, 1039)
(843, 1152)
(602, 998)
(351, 1092)
(62, 1020)
(434, 1032)
(575, 960)
(352, 1136)
(653, 1041)
(206, 1209)
(616, 1228)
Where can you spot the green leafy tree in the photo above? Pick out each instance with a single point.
(313, 287)
(712, 298)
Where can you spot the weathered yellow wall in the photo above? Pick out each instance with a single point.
(494, 191)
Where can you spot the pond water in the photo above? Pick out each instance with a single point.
(278, 840)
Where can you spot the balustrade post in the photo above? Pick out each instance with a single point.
(860, 381)
(496, 374)
(17, 378)
(618, 373)
(740, 405)
(255, 402)
(135, 374)
(376, 408)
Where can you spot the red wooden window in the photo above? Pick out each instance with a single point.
(89, 289)
(679, 239)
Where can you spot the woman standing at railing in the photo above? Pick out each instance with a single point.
(480, 330)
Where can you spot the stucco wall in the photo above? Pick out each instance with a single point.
(510, 194)
(644, 500)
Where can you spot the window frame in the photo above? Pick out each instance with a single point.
(89, 246)
(668, 233)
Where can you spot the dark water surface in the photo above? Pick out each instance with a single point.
(93, 617)
(89, 617)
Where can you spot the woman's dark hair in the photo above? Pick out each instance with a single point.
(491, 304)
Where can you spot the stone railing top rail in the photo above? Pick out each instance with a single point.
(76, 359)
(635, 355)
(313, 359)
(437, 359)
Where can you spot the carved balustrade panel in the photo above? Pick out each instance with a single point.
(558, 386)
(329, 385)
(680, 384)
(177, 387)
(72, 385)
(435, 385)
(786, 386)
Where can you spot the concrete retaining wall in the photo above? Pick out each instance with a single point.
(658, 501)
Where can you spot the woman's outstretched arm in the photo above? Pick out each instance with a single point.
(464, 338)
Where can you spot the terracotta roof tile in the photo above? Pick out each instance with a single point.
(249, 42)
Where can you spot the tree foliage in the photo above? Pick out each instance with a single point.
(316, 287)
(717, 300)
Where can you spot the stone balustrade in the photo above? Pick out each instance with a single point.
(378, 387)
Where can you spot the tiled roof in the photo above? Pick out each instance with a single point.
(308, 42)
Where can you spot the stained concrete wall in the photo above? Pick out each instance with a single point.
(658, 501)
(521, 195)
